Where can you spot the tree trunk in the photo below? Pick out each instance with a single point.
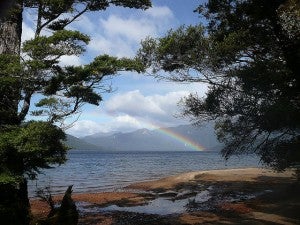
(10, 42)
(14, 205)
(11, 30)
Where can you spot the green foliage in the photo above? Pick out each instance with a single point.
(30, 147)
(106, 65)
(9, 64)
(47, 102)
(249, 55)
(52, 10)
(61, 42)
(180, 49)
(6, 178)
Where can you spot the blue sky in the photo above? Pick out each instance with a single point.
(138, 101)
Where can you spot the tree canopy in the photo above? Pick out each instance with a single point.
(248, 53)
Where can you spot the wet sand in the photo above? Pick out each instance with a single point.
(274, 199)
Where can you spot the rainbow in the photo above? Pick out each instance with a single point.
(167, 131)
(185, 140)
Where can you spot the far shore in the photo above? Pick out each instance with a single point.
(277, 200)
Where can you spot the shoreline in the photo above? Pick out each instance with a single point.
(218, 175)
(166, 182)
(219, 183)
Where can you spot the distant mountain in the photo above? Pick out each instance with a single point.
(166, 139)
(78, 144)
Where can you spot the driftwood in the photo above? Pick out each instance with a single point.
(66, 214)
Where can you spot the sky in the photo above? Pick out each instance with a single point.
(138, 101)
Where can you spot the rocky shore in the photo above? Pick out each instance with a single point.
(235, 196)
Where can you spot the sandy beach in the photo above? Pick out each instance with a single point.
(233, 196)
(230, 175)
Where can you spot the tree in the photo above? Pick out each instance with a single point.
(248, 54)
(34, 69)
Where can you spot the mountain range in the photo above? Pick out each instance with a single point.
(78, 144)
(180, 138)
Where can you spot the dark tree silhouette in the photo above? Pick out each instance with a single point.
(248, 53)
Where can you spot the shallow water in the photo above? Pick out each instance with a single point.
(163, 206)
(92, 171)
(159, 206)
(204, 200)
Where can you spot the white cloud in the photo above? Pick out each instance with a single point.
(155, 108)
(86, 127)
(133, 103)
(124, 123)
(121, 35)
(118, 47)
(70, 60)
(160, 12)
(131, 111)
(132, 29)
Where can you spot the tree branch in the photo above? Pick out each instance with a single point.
(26, 106)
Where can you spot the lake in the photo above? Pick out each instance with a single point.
(94, 171)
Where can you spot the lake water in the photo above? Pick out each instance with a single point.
(92, 171)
